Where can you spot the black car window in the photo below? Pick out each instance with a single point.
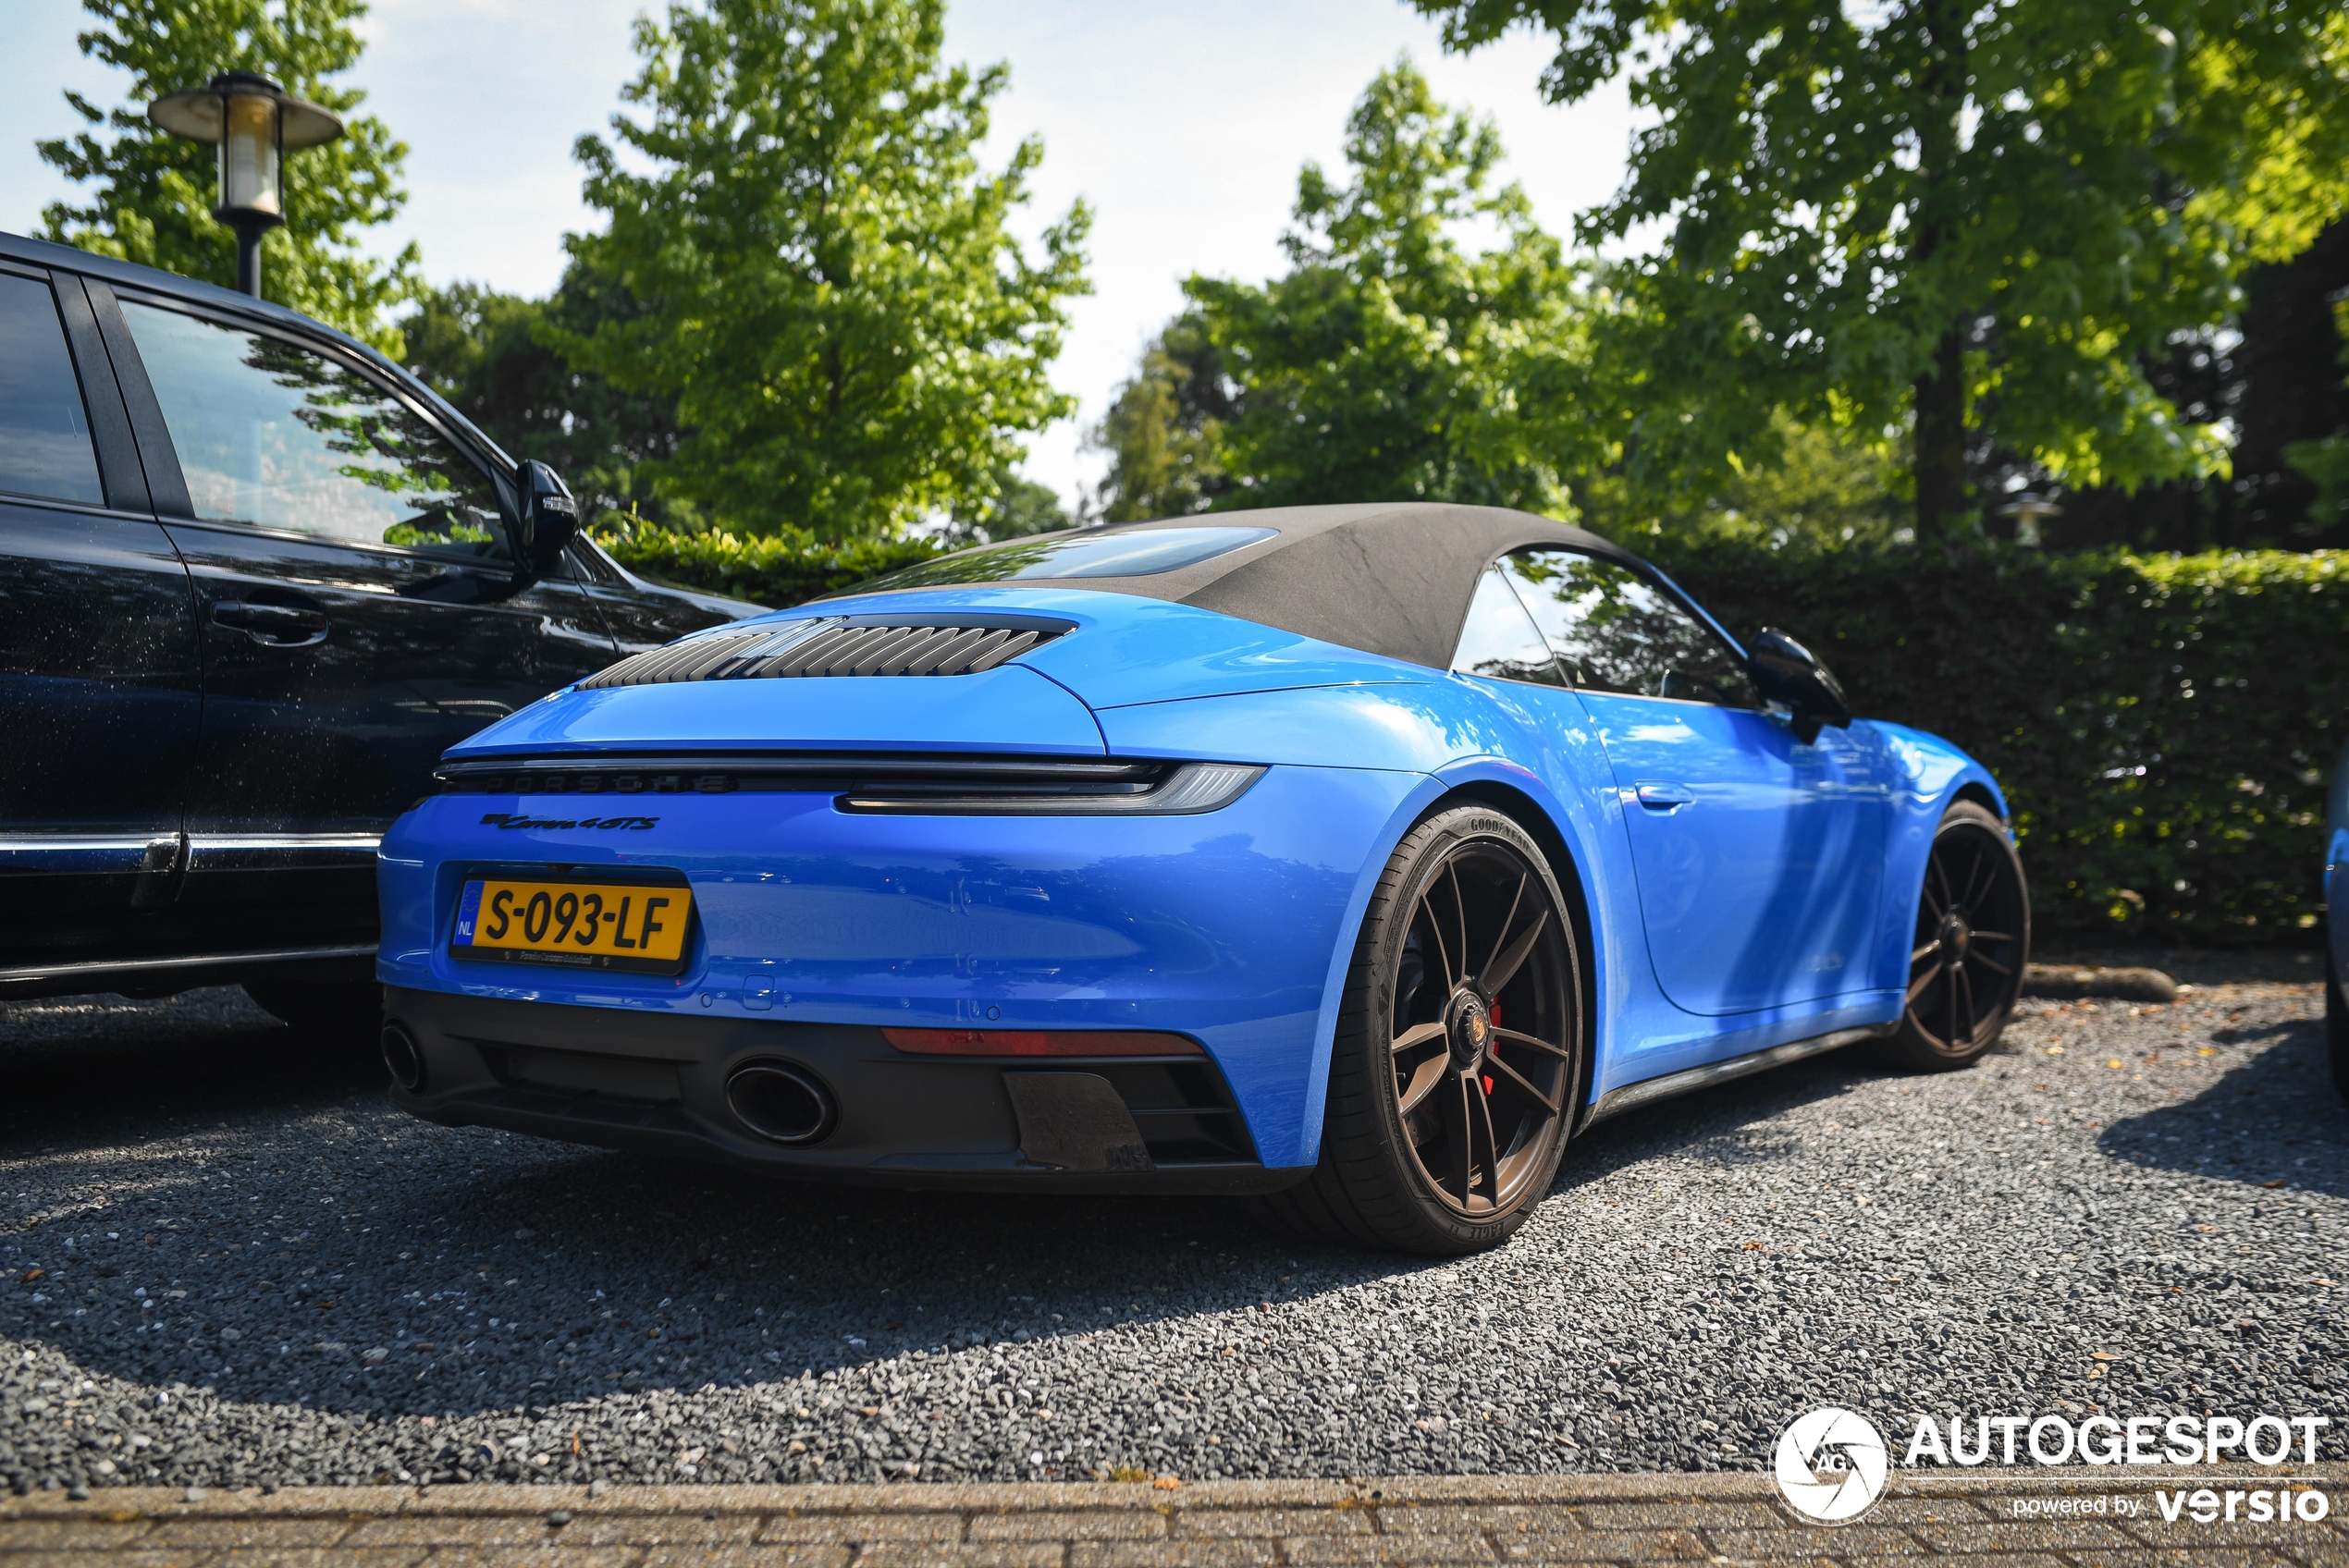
(44, 434)
(1614, 631)
(276, 435)
(1499, 639)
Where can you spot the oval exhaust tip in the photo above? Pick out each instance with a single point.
(780, 1103)
(402, 1056)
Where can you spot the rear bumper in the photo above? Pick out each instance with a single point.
(1231, 927)
(655, 1083)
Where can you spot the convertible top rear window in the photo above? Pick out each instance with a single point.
(1075, 554)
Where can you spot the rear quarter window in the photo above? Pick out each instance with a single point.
(44, 431)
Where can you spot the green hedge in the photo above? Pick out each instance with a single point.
(776, 572)
(2163, 725)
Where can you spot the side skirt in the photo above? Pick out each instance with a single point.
(163, 975)
(1632, 1096)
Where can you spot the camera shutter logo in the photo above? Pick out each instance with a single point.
(1831, 1464)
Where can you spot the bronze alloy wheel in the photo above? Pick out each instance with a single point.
(1972, 941)
(1482, 1103)
(1459, 1048)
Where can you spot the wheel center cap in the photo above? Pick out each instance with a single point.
(1470, 1031)
(1956, 936)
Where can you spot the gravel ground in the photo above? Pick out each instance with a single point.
(229, 1262)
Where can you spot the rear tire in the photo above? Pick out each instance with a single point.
(1454, 1075)
(1972, 943)
(328, 1007)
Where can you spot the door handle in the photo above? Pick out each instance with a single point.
(273, 626)
(1665, 797)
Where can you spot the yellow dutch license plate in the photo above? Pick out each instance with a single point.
(633, 925)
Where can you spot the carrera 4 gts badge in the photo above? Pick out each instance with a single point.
(507, 819)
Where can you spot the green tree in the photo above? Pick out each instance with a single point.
(1819, 488)
(1978, 223)
(1389, 362)
(850, 334)
(493, 357)
(153, 193)
(2324, 461)
(1160, 430)
(1020, 507)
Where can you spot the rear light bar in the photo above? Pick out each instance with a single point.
(1192, 789)
(885, 784)
(1040, 1042)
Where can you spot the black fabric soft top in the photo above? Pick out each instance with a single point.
(1392, 578)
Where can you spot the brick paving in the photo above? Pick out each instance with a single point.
(1712, 1519)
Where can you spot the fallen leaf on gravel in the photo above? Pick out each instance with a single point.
(2271, 1183)
(2325, 1282)
(1753, 1246)
(2102, 1356)
(2112, 1061)
(2207, 1050)
(30, 1275)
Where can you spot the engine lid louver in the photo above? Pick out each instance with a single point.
(838, 645)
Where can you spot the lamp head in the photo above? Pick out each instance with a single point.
(253, 122)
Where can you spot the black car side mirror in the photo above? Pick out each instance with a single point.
(549, 518)
(1784, 671)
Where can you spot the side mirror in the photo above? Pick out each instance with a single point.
(549, 518)
(1784, 671)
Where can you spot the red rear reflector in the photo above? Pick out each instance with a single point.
(1039, 1042)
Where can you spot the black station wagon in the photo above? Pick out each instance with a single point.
(254, 578)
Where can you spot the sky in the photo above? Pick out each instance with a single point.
(1183, 127)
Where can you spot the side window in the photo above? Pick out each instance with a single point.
(1616, 631)
(1500, 640)
(44, 434)
(272, 434)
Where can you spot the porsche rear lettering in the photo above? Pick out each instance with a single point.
(510, 820)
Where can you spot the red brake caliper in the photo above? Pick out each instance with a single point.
(1495, 1015)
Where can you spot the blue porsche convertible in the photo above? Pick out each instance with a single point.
(1351, 859)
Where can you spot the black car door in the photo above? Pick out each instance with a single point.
(356, 596)
(98, 659)
(638, 616)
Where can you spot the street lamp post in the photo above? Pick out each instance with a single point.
(254, 123)
(2029, 509)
